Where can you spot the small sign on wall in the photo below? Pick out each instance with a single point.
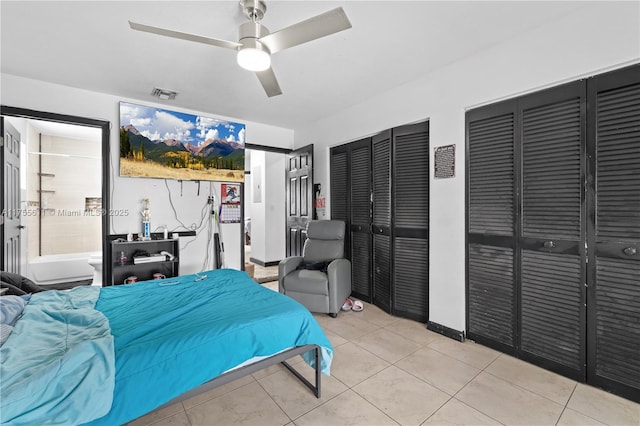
(445, 162)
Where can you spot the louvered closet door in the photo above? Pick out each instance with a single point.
(552, 273)
(614, 243)
(491, 292)
(360, 229)
(381, 221)
(351, 202)
(410, 297)
(339, 175)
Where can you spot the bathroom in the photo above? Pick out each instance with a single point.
(61, 186)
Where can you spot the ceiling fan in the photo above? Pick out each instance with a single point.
(256, 43)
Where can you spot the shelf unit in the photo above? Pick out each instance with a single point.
(143, 271)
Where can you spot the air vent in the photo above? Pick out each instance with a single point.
(164, 94)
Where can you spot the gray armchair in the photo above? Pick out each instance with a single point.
(320, 279)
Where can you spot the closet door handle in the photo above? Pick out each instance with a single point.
(630, 251)
(549, 244)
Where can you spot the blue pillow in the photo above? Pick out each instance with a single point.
(11, 308)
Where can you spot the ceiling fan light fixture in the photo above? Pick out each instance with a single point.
(254, 59)
(256, 44)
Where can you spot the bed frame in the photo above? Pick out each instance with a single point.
(245, 370)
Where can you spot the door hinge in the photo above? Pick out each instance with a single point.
(1, 141)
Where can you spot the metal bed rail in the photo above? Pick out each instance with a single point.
(245, 370)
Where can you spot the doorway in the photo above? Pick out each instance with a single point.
(62, 186)
(263, 210)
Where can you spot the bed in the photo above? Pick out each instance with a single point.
(106, 356)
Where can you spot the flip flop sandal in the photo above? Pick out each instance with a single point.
(357, 306)
(348, 304)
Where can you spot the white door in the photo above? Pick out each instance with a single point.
(11, 198)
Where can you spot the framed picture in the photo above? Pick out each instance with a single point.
(158, 143)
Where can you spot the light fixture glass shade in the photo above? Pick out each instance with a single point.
(253, 59)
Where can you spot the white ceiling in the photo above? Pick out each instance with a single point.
(89, 45)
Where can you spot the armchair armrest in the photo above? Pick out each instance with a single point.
(285, 267)
(339, 275)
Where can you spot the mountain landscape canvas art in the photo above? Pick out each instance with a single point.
(158, 143)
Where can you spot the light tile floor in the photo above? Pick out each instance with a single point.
(392, 371)
(263, 274)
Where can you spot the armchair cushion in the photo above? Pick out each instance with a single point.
(308, 281)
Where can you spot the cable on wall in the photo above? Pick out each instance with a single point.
(194, 226)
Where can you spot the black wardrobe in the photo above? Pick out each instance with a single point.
(380, 187)
(553, 229)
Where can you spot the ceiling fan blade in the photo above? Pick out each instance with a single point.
(319, 26)
(184, 36)
(269, 82)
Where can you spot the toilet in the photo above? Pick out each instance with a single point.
(95, 260)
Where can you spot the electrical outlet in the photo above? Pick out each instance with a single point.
(211, 199)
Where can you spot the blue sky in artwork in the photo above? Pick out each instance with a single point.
(161, 124)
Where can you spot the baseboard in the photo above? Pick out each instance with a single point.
(446, 331)
(265, 264)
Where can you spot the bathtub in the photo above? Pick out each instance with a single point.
(61, 268)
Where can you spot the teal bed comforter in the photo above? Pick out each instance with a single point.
(170, 336)
(57, 366)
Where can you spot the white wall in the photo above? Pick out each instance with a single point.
(127, 193)
(595, 38)
(267, 206)
(258, 218)
(274, 204)
(248, 188)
